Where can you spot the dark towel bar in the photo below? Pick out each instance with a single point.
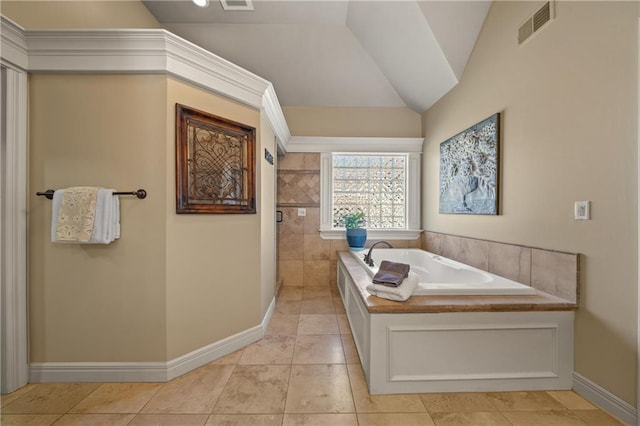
(140, 193)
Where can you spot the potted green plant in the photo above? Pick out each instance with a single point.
(356, 233)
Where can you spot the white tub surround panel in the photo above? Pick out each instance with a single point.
(461, 344)
(468, 352)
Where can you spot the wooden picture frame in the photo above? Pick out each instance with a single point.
(215, 164)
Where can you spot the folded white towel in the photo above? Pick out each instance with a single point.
(400, 293)
(106, 225)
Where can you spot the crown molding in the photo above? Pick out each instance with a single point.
(152, 51)
(13, 45)
(354, 144)
(276, 118)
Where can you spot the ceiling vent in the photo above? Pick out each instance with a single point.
(533, 24)
(237, 4)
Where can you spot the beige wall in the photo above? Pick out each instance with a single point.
(353, 122)
(79, 14)
(213, 260)
(569, 102)
(172, 283)
(93, 302)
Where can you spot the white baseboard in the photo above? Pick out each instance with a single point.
(605, 399)
(44, 372)
(188, 362)
(47, 372)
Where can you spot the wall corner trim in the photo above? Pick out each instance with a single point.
(605, 399)
(152, 51)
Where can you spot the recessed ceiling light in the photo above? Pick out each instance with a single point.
(236, 4)
(201, 3)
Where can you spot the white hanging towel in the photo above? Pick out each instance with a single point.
(78, 216)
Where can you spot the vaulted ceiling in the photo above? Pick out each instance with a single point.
(357, 53)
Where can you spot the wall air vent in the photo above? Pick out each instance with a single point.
(237, 4)
(534, 23)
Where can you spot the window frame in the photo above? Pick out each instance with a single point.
(412, 196)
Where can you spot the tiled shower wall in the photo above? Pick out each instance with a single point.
(304, 258)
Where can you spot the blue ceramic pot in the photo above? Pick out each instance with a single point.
(356, 238)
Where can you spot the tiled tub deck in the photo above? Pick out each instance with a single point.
(458, 343)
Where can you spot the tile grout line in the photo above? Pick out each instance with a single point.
(286, 394)
(152, 396)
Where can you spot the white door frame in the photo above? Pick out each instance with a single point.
(14, 357)
(13, 228)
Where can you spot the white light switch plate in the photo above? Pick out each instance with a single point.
(302, 212)
(582, 210)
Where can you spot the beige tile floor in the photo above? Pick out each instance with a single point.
(304, 372)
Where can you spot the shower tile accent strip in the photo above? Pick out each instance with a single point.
(299, 180)
(551, 271)
(298, 188)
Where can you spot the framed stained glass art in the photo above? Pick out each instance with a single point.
(215, 164)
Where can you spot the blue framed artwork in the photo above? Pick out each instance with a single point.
(469, 169)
